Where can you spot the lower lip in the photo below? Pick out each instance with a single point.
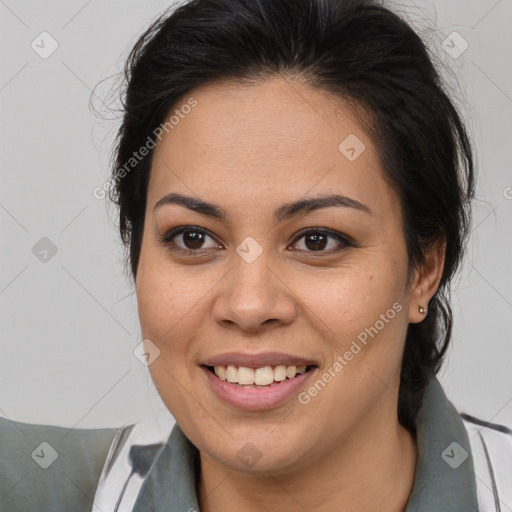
(256, 399)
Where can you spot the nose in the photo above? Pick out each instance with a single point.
(254, 296)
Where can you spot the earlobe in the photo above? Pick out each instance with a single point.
(426, 283)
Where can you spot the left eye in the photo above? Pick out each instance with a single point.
(318, 240)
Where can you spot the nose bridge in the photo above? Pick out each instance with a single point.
(252, 293)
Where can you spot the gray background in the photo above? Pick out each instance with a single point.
(69, 325)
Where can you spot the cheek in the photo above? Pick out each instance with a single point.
(170, 307)
(168, 298)
(360, 303)
(361, 316)
(360, 289)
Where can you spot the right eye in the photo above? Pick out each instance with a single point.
(192, 239)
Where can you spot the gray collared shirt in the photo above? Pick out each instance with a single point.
(444, 478)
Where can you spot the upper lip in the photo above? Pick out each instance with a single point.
(258, 360)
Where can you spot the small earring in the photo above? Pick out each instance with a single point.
(422, 310)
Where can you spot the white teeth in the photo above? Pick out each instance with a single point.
(280, 372)
(220, 371)
(245, 375)
(291, 371)
(231, 374)
(263, 376)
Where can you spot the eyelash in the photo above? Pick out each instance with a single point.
(343, 240)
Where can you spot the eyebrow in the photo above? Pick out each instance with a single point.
(284, 212)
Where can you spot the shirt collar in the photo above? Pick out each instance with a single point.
(444, 477)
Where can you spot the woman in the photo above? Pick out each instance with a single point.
(293, 187)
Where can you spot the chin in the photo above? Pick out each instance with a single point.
(254, 451)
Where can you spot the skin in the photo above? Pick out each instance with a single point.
(249, 149)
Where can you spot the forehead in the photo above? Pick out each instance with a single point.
(242, 141)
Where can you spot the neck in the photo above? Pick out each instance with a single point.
(370, 469)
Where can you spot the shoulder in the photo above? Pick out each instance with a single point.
(50, 468)
(491, 447)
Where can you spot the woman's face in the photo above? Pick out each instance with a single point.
(265, 284)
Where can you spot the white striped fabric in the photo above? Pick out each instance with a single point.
(491, 447)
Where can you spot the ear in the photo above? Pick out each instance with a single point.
(426, 281)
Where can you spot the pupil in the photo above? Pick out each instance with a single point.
(319, 241)
(193, 239)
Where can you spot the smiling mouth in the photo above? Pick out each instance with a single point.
(264, 377)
